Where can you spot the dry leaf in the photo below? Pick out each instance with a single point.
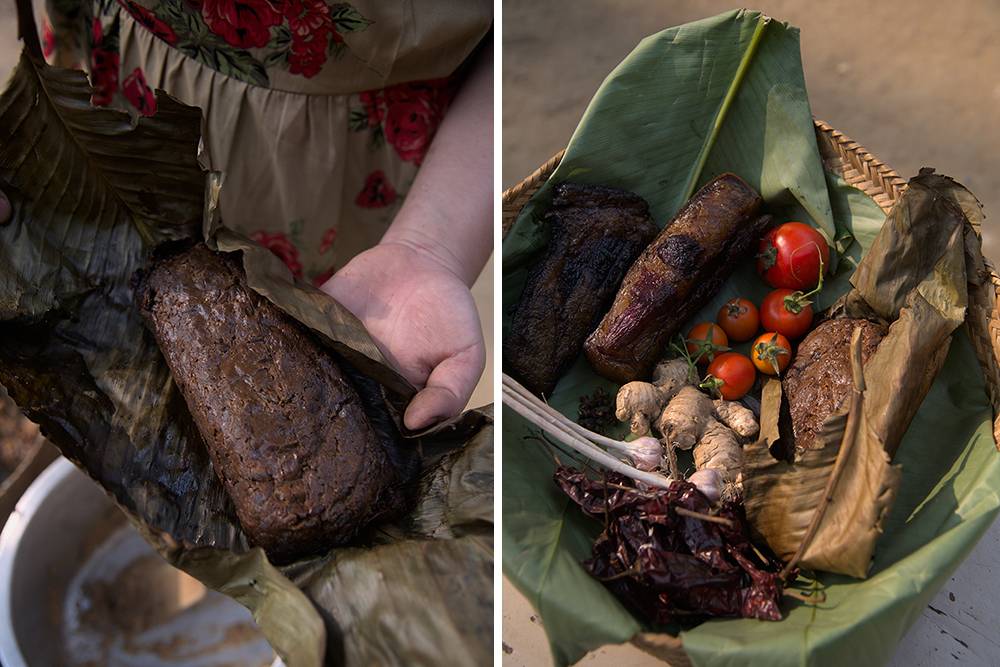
(913, 277)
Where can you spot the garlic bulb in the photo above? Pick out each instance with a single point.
(646, 453)
(709, 482)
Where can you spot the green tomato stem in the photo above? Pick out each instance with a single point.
(796, 301)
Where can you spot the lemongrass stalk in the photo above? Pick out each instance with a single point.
(580, 430)
(645, 456)
(532, 404)
(558, 431)
(553, 426)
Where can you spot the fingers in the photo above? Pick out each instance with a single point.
(4, 208)
(448, 388)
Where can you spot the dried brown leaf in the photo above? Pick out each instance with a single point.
(914, 277)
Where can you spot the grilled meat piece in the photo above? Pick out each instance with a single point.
(818, 382)
(285, 429)
(675, 275)
(597, 232)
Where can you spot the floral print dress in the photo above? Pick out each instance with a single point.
(317, 113)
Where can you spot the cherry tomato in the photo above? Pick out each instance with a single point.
(787, 312)
(789, 256)
(731, 374)
(705, 340)
(739, 319)
(771, 353)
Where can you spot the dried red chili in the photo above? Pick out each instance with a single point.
(666, 566)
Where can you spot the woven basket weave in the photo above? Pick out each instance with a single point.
(864, 171)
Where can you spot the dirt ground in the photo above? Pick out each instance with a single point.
(917, 82)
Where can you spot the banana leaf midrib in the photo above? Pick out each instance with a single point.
(720, 118)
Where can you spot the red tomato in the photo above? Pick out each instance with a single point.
(731, 375)
(705, 340)
(789, 256)
(786, 312)
(771, 353)
(739, 319)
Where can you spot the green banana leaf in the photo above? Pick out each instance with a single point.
(727, 94)
(93, 191)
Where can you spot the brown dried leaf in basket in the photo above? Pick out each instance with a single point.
(914, 277)
(842, 533)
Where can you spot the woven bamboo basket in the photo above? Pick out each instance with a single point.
(864, 171)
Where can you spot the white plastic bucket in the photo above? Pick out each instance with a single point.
(64, 541)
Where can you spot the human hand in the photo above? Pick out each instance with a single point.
(423, 318)
(412, 289)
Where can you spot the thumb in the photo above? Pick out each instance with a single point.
(447, 390)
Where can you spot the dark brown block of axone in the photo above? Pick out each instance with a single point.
(285, 429)
(819, 382)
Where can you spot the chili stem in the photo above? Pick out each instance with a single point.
(683, 511)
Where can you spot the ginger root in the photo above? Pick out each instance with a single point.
(671, 375)
(686, 419)
(639, 403)
(693, 420)
(737, 417)
(718, 449)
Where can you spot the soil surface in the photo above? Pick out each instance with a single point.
(917, 83)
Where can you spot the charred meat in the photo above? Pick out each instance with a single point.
(597, 232)
(675, 275)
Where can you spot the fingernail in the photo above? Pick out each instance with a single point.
(428, 422)
(435, 420)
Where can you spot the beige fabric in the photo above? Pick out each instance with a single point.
(291, 163)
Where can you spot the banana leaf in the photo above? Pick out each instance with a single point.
(727, 94)
(93, 192)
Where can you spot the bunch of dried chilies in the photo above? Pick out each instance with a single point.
(669, 555)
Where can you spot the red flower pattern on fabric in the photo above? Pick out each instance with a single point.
(374, 106)
(147, 19)
(48, 39)
(327, 241)
(312, 27)
(307, 57)
(279, 244)
(306, 17)
(323, 277)
(138, 93)
(377, 192)
(244, 24)
(104, 64)
(413, 112)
